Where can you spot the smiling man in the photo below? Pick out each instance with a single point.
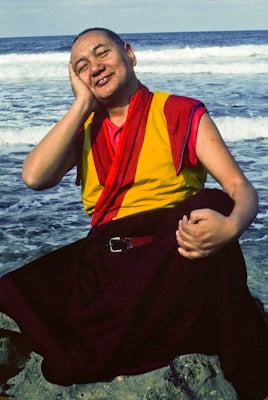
(161, 272)
(106, 68)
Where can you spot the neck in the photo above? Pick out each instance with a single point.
(118, 110)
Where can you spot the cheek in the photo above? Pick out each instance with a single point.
(124, 70)
(84, 77)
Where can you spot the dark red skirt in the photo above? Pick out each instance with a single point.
(93, 314)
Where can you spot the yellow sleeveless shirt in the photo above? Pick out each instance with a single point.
(156, 183)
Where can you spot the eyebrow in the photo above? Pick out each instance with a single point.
(94, 50)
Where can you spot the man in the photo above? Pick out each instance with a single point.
(161, 272)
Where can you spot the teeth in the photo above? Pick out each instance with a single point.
(102, 81)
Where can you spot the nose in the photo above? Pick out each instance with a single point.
(96, 68)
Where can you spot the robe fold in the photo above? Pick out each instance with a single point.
(119, 170)
(93, 314)
(152, 167)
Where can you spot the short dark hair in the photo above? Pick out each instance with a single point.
(111, 35)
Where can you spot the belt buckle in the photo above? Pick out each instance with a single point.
(115, 242)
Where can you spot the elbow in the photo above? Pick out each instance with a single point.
(256, 203)
(253, 195)
(39, 181)
(39, 177)
(29, 175)
(31, 181)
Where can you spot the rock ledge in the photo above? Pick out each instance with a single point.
(189, 377)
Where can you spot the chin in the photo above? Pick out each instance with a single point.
(107, 99)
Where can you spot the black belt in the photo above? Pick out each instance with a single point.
(119, 244)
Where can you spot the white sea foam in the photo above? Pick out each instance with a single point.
(232, 129)
(28, 135)
(244, 59)
(237, 128)
(194, 53)
(206, 68)
(40, 66)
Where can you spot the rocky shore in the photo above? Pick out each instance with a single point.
(194, 376)
(189, 377)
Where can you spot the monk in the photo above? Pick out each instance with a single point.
(161, 272)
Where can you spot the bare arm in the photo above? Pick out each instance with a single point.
(206, 230)
(49, 161)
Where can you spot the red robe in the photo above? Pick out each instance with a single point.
(93, 314)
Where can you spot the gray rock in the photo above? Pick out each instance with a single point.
(193, 376)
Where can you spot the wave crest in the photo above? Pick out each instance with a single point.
(232, 129)
(243, 59)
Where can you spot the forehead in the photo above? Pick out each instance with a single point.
(89, 41)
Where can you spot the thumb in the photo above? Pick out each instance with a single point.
(196, 216)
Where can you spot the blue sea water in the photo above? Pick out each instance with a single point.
(228, 71)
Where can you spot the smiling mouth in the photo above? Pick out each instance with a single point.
(103, 81)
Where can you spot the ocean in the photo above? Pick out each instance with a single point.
(228, 71)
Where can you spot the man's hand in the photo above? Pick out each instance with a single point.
(203, 233)
(80, 90)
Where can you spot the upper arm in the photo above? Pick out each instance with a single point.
(213, 153)
(42, 169)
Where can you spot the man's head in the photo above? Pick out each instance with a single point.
(105, 64)
(111, 34)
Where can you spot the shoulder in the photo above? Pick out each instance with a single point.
(172, 102)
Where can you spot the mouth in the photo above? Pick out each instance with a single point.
(101, 82)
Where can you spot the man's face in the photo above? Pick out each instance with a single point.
(104, 66)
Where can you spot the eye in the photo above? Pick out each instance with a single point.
(82, 67)
(102, 53)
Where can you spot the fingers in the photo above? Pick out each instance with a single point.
(203, 233)
(70, 67)
(192, 254)
(185, 234)
(184, 239)
(72, 74)
(190, 248)
(193, 242)
(81, 90)
(73, 78)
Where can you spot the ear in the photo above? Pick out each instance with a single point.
(128, 48)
